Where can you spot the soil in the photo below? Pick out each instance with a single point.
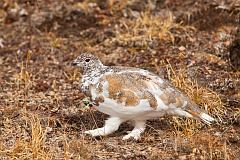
(42, 112)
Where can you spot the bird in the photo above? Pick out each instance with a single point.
(132, 94)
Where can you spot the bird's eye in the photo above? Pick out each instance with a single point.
(87, 60)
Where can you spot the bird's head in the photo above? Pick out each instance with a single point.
(88, 62)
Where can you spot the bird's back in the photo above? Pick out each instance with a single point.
(130, 88)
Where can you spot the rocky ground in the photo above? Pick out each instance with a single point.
(194, 44)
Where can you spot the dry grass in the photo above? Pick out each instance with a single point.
(33, 148)
(55, 42)
(24, 76)
(36, 145)
(148, 28)
(212, 147)
(72, 75)
(204, 97)
(116, 6)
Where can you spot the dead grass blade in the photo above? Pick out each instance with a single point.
(147, 28)
(206, 98)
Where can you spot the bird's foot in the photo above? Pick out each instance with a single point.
(135, 134)
(96, 132)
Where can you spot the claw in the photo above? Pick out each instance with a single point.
(94, 133)
(134, 135)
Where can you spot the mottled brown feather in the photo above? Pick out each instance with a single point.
(98, 100)
(152, 100)
(128, 88)
(172, 97)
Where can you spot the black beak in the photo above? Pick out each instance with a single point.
(74, 63)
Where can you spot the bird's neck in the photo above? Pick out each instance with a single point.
(94, 71)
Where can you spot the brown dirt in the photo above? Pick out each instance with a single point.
(42, 113)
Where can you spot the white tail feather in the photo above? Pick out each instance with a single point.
(206, 118)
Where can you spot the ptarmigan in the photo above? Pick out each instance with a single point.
(133, 94)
